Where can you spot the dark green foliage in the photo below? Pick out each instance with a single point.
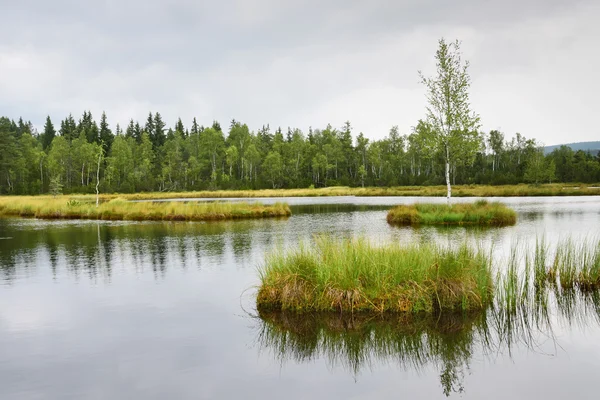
(147, 159)
(49, 133)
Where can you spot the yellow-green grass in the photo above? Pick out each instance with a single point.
(480, 212)
(355, 275)
(520, 190)
(61, 207)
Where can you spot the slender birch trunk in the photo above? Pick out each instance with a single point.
(449, 195)
(98, 178)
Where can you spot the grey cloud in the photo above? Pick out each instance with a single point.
(296, 63)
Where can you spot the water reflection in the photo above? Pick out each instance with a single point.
(126, 310)
(445, 342)
(93, 249)
(357, 341)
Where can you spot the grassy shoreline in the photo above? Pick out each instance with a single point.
(521, 190)
(64, 207)
(480, 212)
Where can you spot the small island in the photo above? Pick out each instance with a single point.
(355, 275)
(346, 276)
(480, 212)
(63, 207)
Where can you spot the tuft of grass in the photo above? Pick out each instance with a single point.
(576, 265)
(64, 207)
(355, 275)
(480, 212)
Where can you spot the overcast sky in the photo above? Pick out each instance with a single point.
(534, 63)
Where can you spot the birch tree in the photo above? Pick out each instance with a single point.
(449, 110)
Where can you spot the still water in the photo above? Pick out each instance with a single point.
(130, 310)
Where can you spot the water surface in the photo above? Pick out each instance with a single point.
(154, 310)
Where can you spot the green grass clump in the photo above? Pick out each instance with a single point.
(63, 207)
(576, 265)
(354, 275)
(481, 212)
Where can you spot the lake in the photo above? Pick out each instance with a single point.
(153, 310)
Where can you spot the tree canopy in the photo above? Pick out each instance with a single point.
(152, 157)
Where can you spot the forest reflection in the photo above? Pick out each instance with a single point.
(97, 249)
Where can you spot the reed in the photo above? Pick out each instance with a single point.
(63, 207)
(576, 265)
(355, 275)
(480, 212)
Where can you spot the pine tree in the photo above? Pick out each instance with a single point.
(130, 130)
(106, 135)
(137, 132)
(49, 133)
(195, 129)
(149, 128)
(158, 138)
(180, 128)
(68, 128)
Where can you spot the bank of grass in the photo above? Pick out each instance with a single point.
(355, 275)
(480, 212)
(520, 190)
(63, 207)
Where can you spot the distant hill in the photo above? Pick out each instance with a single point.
(593, 147)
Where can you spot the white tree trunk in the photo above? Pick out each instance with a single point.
(98, 179)
(449, 195)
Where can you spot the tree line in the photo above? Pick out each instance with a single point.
(154, 157)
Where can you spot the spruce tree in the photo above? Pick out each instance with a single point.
(106, 135)
(159, 131)
(49, 133)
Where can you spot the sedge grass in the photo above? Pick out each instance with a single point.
(520, 190)
(576, 265)
(480, 212)
(62, 207)
(355, 275)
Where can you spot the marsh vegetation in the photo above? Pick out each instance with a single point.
(355, 275)
(47, 207)
(350, 276)
(535, 291)
(480, 212)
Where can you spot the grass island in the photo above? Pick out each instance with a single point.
(65, 207)
(480, 212)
